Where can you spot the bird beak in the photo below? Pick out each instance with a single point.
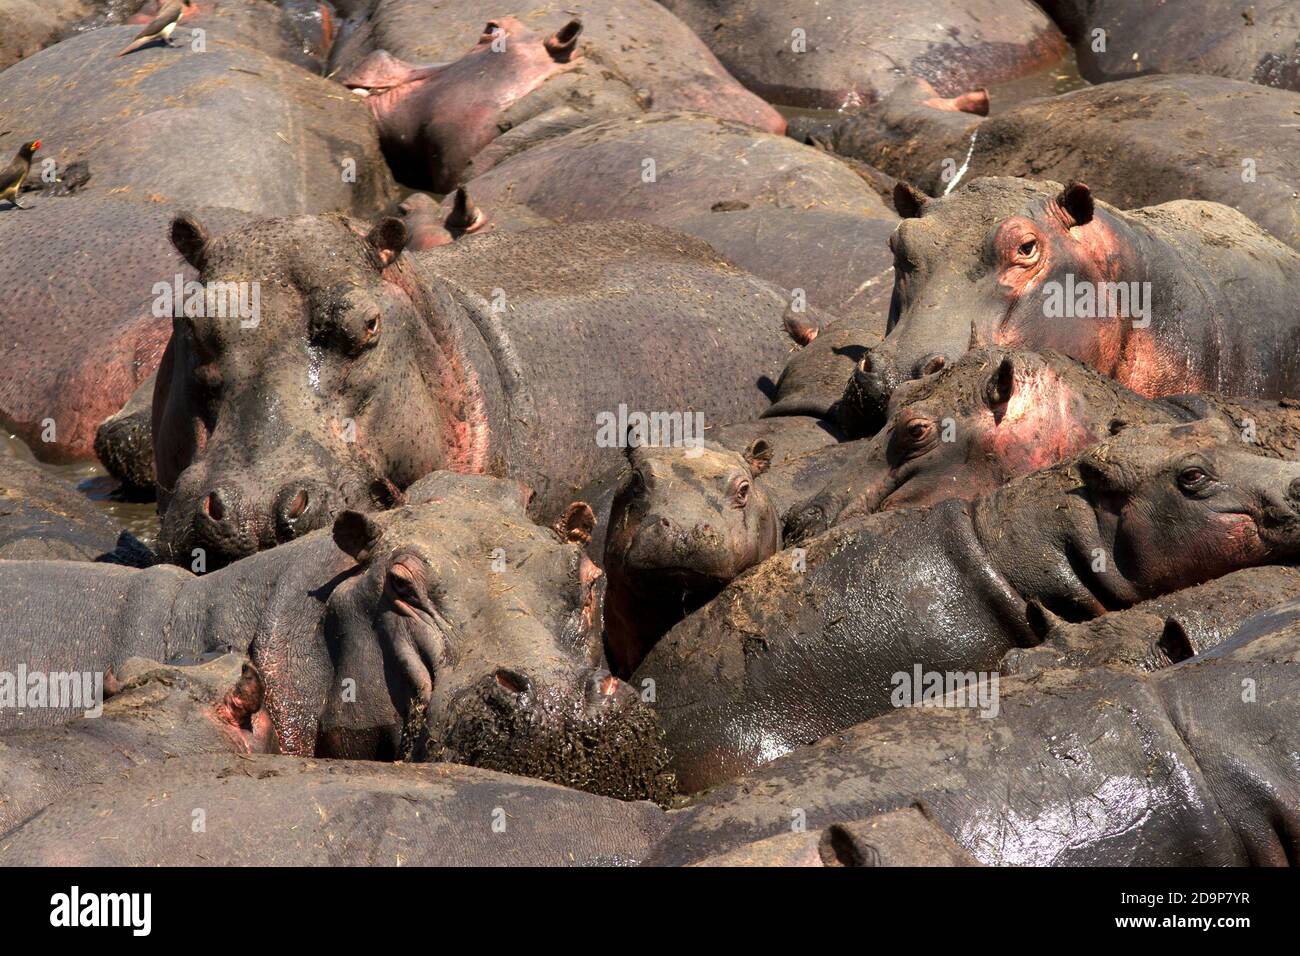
(36, 145)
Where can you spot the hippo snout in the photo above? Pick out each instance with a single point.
(865, 403)
(592, 732)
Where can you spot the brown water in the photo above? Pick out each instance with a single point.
(89, 478)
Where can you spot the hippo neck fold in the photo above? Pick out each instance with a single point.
(1042, 534)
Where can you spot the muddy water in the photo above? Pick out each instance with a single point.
(90, 479)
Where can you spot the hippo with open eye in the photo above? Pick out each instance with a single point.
(805, 644)
(684, 523)
(997, 414)
(1182, 297)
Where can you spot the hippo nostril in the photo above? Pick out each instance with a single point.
(609, 686)
(665, 523)
(513, 681)
(932, 364)
(213, 506)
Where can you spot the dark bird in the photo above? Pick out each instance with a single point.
(11, 180)
(161, 27)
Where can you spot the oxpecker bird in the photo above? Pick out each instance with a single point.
(11, 180)
(161, 27)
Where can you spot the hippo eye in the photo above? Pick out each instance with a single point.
(918, 431)
(401, 583)
(372, 329)
(1193, 478)
(1028, 249)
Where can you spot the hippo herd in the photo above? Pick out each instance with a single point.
(617, 432)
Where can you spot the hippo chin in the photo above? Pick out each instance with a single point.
(805, 644)
(1181, 297)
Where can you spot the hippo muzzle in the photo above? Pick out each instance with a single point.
(594, 734)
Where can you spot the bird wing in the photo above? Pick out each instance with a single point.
(168, 14)
(12, 175)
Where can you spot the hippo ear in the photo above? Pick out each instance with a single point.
(576, 524)
(1099, 473)
(758, 456)
(388, 239)
(908, 200)
(800, 328)
(1002, 385)
(1174, 642)
(1075, 201)
(356, 534)
(190, 240)
(464, 217)
(561, 43)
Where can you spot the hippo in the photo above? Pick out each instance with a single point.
(684, 522)
(1138, 142)
(1233, 38)
(789, 213)
(230, 127)
(526, 89)
(1180, 297)
(996, 414)
(1157, 633)
(430, 223)
(338, 622)
(844, 54)
(1192, 765)
(331, 813)
(26, 27)
(68, 367)
(664, 61)
(151, 712)
(43, 517)
(507, 353)
(299, 31)
(804, 644)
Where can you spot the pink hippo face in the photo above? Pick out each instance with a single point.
(433, 120)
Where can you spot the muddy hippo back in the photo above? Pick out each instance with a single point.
(334, 813)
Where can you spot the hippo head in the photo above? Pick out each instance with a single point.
(434, 119)
(303, 376)
(993, 415)
(489, 627)
(1186, 503)
(996, 262)
(683, 524)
